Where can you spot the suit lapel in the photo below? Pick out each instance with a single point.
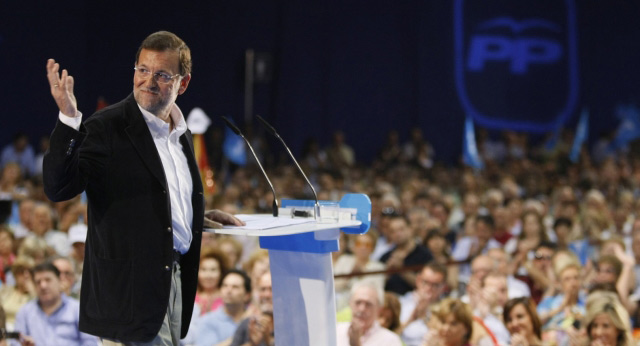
(140, 136)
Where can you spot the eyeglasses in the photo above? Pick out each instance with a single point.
(160, 77)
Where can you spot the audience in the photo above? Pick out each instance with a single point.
(530, 221)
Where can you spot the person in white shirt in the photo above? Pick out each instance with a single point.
(364, 329)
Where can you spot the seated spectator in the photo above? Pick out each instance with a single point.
(539, 272)
(562, 310)
(359, 261)
(255, 266)
(258, 329)
(13, 297)
(487, 305)
(42, 227)
(7, 254)
(20, 152)
(501, 259)
(521, 319)
(471, 246)
(12, 191)
(219, 325)
(52, 318)
(364, 329)
(213, 266)
(67, 275)
(430, 285)
(452, 324)
(405, 253)
(522, 248)
(607, 321)
(232, 249)
(436, 243)
(389, 315)
(22, 228)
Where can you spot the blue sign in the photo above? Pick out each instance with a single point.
(516, 62)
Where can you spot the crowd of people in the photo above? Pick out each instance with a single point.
(531, 250)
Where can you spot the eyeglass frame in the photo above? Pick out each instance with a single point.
(160, 77)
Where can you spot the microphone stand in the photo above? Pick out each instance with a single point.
(236, 130)
(274, 133)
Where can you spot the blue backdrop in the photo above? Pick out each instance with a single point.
(361, 66)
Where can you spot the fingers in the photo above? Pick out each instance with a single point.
(223, 218)
(211, 224)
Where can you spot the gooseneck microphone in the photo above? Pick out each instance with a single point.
(274, 133)
(236, 130)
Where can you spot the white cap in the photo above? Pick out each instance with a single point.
(77, 233)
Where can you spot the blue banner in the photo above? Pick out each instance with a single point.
(234, 148)
(470, 155)
(582, 132)
(516, 63)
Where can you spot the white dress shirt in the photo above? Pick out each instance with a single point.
(176, 170)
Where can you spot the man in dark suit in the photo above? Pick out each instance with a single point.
(135, 161)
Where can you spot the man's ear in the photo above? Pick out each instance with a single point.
(184, 83)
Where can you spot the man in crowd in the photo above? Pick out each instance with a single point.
(52, 318)
(221, 324)
(364, 329)
(405, 253)
(135, 162)
(257, 330)
(430, 284)
(67, 274)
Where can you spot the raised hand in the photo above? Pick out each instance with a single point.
(61, 85)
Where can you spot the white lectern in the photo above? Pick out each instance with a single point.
(301, 268)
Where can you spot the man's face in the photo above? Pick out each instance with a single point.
(152, 95)
(67, 275)
(496, 287)
(41, 220)
(364, 305)
(500, 260)
(265, 296)
(481, 267)
(233, 291)
(542, 258)
(399, 231)
(430, 284)
(48, 287)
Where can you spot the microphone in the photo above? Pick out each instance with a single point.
(236, 130)
(274, 133)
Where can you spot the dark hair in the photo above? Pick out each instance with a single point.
(562, 221)
(530, 307)
(437, 268)
(243, 274)
(486, 219)
(218, 256)
(166, 41)
(46, 267)
(546, 244)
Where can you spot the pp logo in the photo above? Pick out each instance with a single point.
(516, 62)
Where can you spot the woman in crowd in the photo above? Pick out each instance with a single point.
(521, 319)
(452, 324)
(533, 233)
(389, 315)
(359, 261)
(7, 254)
(13, 297)
(607, 321)
(213, 265)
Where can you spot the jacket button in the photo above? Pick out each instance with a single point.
(167, 268)
(169, 229)
(164, 191)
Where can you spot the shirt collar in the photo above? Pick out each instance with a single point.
(372, 330)
(159, 128)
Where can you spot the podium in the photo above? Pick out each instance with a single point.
(304, 307)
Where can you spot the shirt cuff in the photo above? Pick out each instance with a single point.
(73, 122)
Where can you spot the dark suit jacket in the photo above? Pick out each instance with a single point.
(129, 249)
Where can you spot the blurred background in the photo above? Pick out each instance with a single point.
(361, 67)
